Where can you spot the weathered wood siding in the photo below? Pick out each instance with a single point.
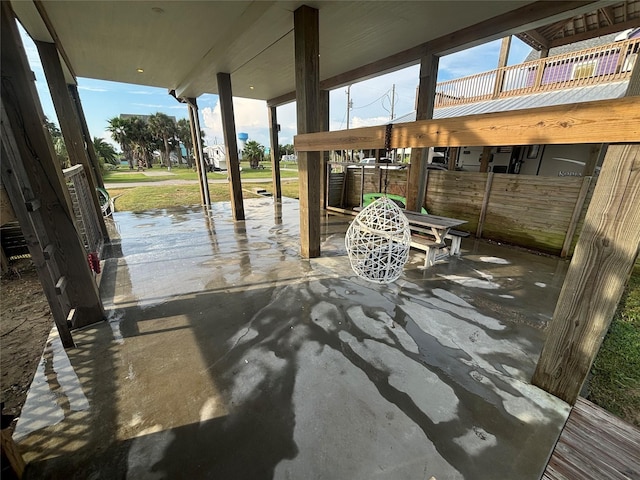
(531, 211)
(456, 195)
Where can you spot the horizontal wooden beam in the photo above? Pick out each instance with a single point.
(527, 17)
(603, 121)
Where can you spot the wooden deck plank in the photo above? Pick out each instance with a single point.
(595, 445)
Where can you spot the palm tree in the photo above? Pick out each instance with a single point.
(163, 128)
(120, 129)
(105, 151)
(183, 128)
(142, 142)
(58, 143)
(254, 152)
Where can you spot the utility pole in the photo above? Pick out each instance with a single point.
(349, 104)
(393, 100)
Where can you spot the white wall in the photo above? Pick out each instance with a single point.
(550, 160)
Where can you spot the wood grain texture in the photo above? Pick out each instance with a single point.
(417, 181)
(600, 267)
(93, 158)
(69, 123)
(23, 120)
(307, 68)
(614, 121)
(229, 129)
(275, 153)
(595, 445)
(196, 152)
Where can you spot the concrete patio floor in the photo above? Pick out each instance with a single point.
(227, 356)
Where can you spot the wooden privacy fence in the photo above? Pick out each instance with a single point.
(543, 213)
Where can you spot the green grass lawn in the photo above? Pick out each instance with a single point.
(139, 199)
(124, 175)
(615, 375)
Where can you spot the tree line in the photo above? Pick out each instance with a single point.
(139, 138)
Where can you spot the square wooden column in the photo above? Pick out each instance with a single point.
(307, 50)
(275, 153)
(30, 167)
(93, 158)
(417, 183)
(196, 140)
(229, 130)
(69, 122)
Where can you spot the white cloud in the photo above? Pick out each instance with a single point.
(106, 136)
(250, 117)
(141, 92)
(148, 105)
(358, 122)
(92, 89)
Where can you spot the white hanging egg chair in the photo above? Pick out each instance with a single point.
(378, 242)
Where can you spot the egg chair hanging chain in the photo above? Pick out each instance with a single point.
(387, 147)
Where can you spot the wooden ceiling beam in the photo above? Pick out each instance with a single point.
(530, 16)
(609, 14)
(618, 27)
(538, 38)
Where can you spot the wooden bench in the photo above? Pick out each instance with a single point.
(432, 249)
(456, 237)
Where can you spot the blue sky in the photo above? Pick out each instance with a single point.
(102, 100)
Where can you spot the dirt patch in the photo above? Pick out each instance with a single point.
(25, 323)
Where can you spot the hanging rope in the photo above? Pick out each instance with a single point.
(378, 241)
(387, 147)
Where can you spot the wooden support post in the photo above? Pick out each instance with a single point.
(575, 216)
(10, 449)
(324, 159)
(15, 180)
(596, 157)
(604, 256)
(484, 159)
(275, 154)
(196, 154)
(229, 129)
(28, 157)
(196, 138)
(306, 39)
(454, 154)
(416, 184)
(93, 158)
(485, 204)
(69, 122)
(502, 62)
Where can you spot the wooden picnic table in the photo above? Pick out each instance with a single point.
(437, 226)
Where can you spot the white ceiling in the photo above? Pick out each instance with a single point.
(181, 45)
